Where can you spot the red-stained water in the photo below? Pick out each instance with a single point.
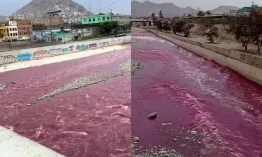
(194, 94)
(89, 122)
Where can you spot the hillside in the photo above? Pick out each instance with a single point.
(169, 9)
(36, 8)
(2, 18)
(223, 9)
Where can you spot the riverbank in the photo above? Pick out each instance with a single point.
(247, 65)
(57, 59)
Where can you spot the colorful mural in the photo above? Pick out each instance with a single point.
(40, 54)
(93, 45)
(24, 57)
(7, 59)
(81, 47)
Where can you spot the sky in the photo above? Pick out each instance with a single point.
(8, 7)
(208, 4)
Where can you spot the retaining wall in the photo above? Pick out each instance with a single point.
(248, 65)
(14, 145)
(42, 52)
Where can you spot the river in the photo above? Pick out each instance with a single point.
(203, 109)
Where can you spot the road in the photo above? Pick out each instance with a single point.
(79, 108)
(203, 109)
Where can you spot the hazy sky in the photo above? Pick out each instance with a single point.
(8, 7)
(208, 4)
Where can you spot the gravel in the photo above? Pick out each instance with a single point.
(135, 66)
(156, 151)
(91, 79)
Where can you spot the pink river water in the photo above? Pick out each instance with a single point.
(89, 122)
(195, 99)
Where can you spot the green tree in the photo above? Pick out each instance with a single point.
(114, 27)
(144, 24)
(178, 26)
(166, 26)
(200, 13)
(212, 32)
(208, 13)
(242, 31)
(159, 25)
(189, 15)
(255, 23)
(161, 16)
(153, 16)
(186, 29)
(106, 28)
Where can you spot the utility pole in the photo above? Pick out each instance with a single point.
(50, 27)
(100, 6)
(89, 9)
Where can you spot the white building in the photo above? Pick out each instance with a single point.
(121, 19)
(82, 32)
(12, 29)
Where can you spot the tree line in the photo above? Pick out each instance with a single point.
(246, 29)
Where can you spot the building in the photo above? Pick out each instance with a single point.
(121, 19)
(3, 32)
(24, 28)
(81, 30)
(247, 10)
(54, 21)
(95, 19)
(12, 29)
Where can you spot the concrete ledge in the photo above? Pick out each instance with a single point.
(247, 65)
(50, 51)
(14, 145)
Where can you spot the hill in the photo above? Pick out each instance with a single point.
(223, 9)
(2, 18)
(169, 9)
(36, 8)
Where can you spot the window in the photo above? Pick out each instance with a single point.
(94, 19)
(89, 20)
(107, 18)
(103, 18)
(11, 34)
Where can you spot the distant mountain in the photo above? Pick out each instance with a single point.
(36, 8)
(2, 18)
(146, 8)
(169, 9)
(223, 9)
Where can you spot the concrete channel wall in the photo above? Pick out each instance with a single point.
(42, 52)
(14, 145)
(247, 65)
